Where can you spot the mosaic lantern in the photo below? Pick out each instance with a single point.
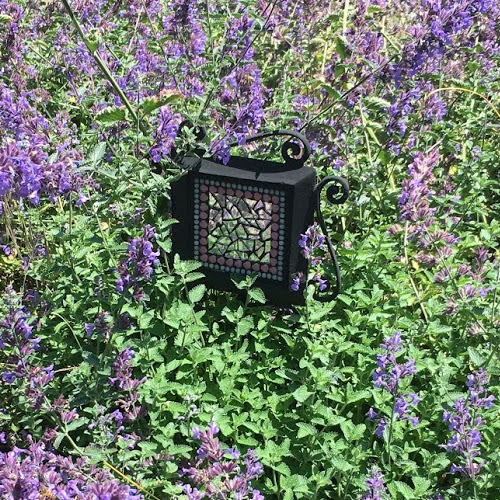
(246, 217)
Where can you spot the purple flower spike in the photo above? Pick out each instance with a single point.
(466, 422)
(34, 472)
(124, 381)
(375, 485)
(138, 267)
(214, 476)
(311, 241)
(19, 346)
(296, 281)
(389, 375)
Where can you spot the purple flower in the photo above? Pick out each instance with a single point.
(414, 199)
(6, 249)
(19, 346)
(27, 171)
(102, 325)
(311, 241)
(296, 282)
(139, 264)
(389, 373)
(69, 416)
(214, 476)
(124, 381)
(467, 292)
(465, 421)
(8, 377)
(322, 283)
(389, 376)
(35, 472)
(183, 23)
(375, 485)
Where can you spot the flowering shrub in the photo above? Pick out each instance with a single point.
(215, 477)
(465, 421)
(388, 375)
(37, 473)
(120, 371)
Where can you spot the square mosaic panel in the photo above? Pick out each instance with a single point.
(239, 228)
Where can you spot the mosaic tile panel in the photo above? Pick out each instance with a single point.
(239, 228)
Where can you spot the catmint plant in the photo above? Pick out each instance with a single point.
(139, 265)
(375, 485)
(311, 244)
(19, 346)
(465, 421)
(220, 473)
(36, 472)
(389, 376)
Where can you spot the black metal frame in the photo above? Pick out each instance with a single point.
(300, 181)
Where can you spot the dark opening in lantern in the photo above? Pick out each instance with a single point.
(246, 217)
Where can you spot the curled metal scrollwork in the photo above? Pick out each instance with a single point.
(294, 153)
(336, 193)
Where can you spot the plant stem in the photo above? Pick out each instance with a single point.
(196, 322)
(412, 282)
(389, 438)
(346, 15)
(102, 65)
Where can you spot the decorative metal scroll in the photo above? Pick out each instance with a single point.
(336, 193)
(294, 154)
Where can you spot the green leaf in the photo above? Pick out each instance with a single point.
(93, 42)
(97, 153)
(282, 468)
(257, 294)
(244, 282)
(352, 432)
(75, 424)
(164, 284)
(341, 464)
(301, 394)
(404, 489)
(475, 357)
(421, 484)
(330, 91)
(58, 439)
(194, 277)
(111, 114)
(180, 449)
(341, 47)
(184, 267)
(306, 430)
(244, 326)
(196, 293)
(106, 171)
(174, 407)
(296, 482)
(152, 103)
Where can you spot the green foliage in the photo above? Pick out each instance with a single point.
(294, 384)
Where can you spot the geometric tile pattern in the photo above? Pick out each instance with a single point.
(239, 228)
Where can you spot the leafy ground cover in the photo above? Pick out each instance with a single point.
(123, 377)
